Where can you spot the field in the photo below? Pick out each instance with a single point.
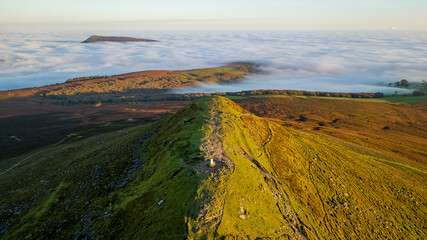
(385, 99)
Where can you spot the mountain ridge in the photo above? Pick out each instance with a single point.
(154, 80)
(269, 181)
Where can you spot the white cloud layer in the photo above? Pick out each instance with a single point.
(306, 60)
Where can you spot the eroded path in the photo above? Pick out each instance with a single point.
(281, 198)
(269, 137)
(205, 214)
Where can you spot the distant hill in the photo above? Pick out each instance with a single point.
(270, 181)
(96, 38)
(40, 113)
(144, 80)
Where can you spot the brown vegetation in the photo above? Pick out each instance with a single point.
(35, 117)
(26, 125)
(362, 123)
(145, 80)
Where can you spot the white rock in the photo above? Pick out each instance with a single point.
(211, 163)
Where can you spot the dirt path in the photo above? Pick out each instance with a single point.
(23, 160)
(281, 198)
(269, 137)
(207, 211)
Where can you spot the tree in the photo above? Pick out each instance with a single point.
(418, 93)
(404, 83)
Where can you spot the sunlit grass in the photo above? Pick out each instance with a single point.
(150, 182)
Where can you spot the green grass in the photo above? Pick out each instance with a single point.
(212, 72)
(361, 178)
(81, 189)
(46, 205)
(405, 99)
(381, 100)
(361, 192)
(387, 99)
(236, 97)
(21, 161)
(150, 182)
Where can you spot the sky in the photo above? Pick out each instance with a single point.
(213, 15)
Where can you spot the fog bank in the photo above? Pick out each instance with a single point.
(353, 61)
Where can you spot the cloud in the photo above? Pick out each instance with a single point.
(325, 61)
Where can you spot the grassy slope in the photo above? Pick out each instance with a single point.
(346, 190)
(270, 181)
(335, 188)
(239, 192)
(394, 129)
(109, 185)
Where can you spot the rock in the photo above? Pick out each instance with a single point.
(211, 163)
(4, 226)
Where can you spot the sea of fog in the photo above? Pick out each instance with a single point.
(345, 61)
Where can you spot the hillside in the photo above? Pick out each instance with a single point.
(398, 130)
(149, 82)
(95, 38)
(34, 117)
(270, 180)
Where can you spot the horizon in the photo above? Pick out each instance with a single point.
(308, 39)
(273, 15)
